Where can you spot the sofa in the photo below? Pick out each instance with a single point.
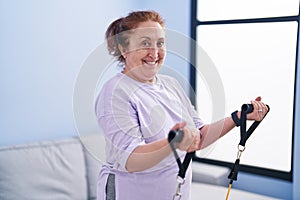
(60, 169)
(67, 169)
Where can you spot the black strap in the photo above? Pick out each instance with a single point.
(247, 108)
(235, 118)
(176, 136)
(234, 171)
(187, 159)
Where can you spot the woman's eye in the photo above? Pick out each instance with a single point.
(160, 44)
(146, 43)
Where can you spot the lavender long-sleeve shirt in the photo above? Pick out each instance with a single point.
(131, 114)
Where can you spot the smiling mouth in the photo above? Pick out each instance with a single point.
(150, 62)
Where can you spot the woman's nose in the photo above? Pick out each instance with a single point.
(153, 52)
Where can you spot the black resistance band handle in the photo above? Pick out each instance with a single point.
(248, 108)
(245, 134)
(177, 136)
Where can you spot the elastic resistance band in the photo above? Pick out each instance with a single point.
(245, 134)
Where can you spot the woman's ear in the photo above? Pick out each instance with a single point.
(122, 50)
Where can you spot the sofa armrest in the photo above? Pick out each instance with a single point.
(211, 174)
(94, 153)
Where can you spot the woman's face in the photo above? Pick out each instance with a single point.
(145, 53)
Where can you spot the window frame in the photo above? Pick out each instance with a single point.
(195, 22)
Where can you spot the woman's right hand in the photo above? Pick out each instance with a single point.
(191, 137)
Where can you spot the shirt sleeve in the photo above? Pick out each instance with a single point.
(119, 143)
(119, 122)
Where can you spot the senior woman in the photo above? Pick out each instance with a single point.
(138, 107)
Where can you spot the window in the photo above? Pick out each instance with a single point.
(253, 47)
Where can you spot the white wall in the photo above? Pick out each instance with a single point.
(43, 45)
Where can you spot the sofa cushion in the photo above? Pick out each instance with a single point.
(46, 170)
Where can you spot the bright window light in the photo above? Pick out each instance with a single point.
(209, 10)
(253, 60)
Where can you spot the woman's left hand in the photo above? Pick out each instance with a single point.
(259, 110)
